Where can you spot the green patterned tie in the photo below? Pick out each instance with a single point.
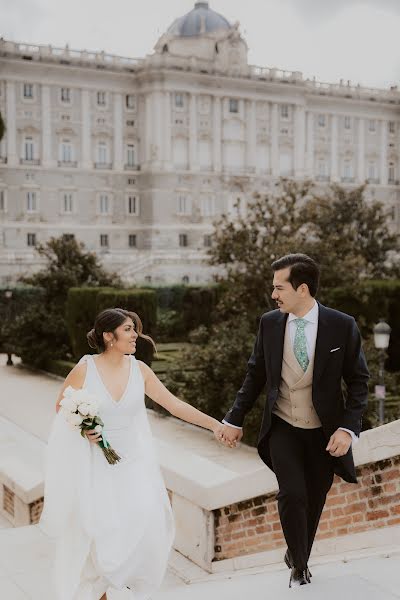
(300, 345)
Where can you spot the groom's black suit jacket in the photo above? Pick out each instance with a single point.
(334, 408)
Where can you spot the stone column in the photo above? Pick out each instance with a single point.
(86, 158)
(158, 128)
(334, 148)
(299, 140)
(119, 150)
(217, 133)
(310, 144)
(167, 131)
(361, 151)
(251, 136)
(11, 124)
(193, 147)
(275, 140)
(148, 130)
(384, 153)
(47, 154)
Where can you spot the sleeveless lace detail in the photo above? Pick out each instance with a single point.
(114, 529)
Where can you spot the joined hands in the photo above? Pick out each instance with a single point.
(228, 436)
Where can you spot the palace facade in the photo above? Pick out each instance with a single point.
(138, 157)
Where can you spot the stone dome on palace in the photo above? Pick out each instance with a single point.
(198, 21)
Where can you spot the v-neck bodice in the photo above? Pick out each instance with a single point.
(105, 387)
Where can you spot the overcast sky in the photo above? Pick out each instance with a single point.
(329, 39)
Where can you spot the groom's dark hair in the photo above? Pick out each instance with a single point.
(303, 269)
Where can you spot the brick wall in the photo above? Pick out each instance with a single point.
(253, 526)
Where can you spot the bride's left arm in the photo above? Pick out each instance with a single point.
(159, 393)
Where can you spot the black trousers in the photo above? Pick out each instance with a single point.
(304, 470)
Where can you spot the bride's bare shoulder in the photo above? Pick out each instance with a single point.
(76, 376)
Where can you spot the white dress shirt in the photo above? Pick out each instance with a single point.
(310, 330)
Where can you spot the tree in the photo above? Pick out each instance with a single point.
(347, 235)
(40, 333)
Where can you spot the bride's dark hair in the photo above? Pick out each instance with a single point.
(107, 322)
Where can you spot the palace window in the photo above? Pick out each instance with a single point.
(66, 95)
(321, 120)
(179, 100)
(132, 240)
(2, 201)
(207, 241)
(207, 206)
(322, 168)
(347, 169)
(347, 122)
(185, 279)
(28, 90)
(104, 204)
(29, 149)
(102, 153)
(101, 99)
(371, 170)
(104, 240)
(184, 205)
(133, 205)
(66, 151)
(130, 155)
(31, 239)
(391, 173)
(68, 202)
(183, 240)
(372, 125)
(233, 105)
(31, 202)
(392, 127)
(284, 111)
(130, 101)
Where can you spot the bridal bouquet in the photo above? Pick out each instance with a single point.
(81, 411)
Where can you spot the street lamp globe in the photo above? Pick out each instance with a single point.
(382, 335)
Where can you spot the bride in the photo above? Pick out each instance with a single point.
(112, 524)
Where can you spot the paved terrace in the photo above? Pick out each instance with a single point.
(26, 412)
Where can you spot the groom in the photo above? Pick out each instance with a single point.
(302, 354)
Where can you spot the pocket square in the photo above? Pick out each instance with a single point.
(335, 349)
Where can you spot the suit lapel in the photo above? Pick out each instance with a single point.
(322, 344)
(276, 344)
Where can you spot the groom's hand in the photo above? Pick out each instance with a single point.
(339, 443)
(230, 436)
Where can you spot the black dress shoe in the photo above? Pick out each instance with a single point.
(290, 565)
(298, 577)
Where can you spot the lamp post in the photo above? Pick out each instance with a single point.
(8, 296)
(381, 340)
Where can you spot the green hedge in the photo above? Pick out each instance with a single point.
(182, 309)
(23, 299)
(83, 304)
(368, 302)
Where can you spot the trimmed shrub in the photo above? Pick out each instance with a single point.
(24, 300)
(182, 309)
(59, 367)
(85, 303)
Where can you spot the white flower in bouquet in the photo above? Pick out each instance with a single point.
(74, 419)
(93, 409)
(81, 410)
(68, 403)
(84, 409)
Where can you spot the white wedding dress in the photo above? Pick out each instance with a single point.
(112, 523)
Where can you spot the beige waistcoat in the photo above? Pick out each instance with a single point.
(294, 404)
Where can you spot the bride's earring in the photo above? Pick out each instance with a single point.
(111, 345)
